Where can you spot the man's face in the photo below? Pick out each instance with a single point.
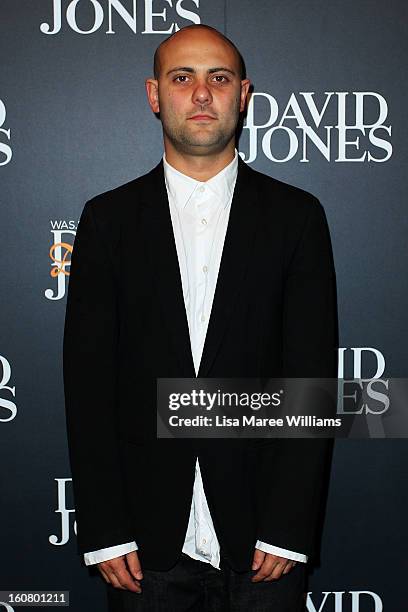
(199, 93)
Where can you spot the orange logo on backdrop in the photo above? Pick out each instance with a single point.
(61, 263)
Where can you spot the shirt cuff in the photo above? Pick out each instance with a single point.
(282, 552)
(104, 554)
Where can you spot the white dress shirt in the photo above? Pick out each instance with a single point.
(199, 213)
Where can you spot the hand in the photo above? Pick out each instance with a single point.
(123, 572)
(271, 567)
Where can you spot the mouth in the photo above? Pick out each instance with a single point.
(202, 118)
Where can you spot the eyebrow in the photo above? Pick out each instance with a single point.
(192, 71)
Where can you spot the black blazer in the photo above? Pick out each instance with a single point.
(274, 314)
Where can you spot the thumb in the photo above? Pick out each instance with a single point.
(259, 556)
(134, 565)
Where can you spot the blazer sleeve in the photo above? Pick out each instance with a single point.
(89, 370)
(293, 472)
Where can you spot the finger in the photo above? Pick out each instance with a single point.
(276, 573)
(104, 575)
(258, 559)
(134, 566)
(115, 582)
(117, 572)
(289, 567)
(266, 568)
(113, 565)
(127, 581)
(108, 567)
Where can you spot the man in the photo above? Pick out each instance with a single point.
(202, 267)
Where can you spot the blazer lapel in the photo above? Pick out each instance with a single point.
(238, 243)
(166, 271)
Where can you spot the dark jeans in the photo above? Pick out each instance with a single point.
(196, 586)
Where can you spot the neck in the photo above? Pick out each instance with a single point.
(199, 167)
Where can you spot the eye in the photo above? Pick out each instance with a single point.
(221, 76)
(180, 76)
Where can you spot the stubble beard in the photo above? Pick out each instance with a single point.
(202, 141)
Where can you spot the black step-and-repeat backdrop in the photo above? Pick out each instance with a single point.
(328, 114)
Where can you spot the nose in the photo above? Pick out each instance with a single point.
(201, 94)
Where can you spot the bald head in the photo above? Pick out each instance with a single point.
(188, 31)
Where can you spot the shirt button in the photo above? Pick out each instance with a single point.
(205, 269)
(203, 318)
(204, 541)
(204, 221)
(201, 189)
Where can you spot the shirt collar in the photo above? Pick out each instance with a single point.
(181, 186)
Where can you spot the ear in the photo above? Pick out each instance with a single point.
(152, 90)
(245, 83)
